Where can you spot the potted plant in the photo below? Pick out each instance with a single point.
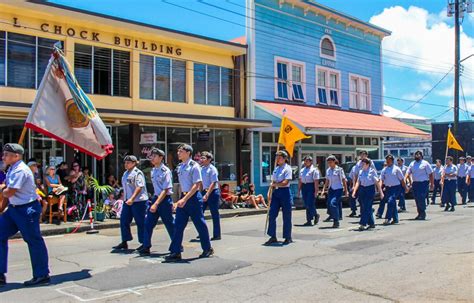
(100, 191)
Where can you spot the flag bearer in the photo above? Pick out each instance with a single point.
(401, 202)
(281, 198)
(336, 183)
(420, 175)
(462, 173)
(365, 187)
(394, 183)
(134, 207)
(211, 193)
(437, 173)
(161, 205)
(449, 179)
(308, 185)
(22, 215)
(189, 205)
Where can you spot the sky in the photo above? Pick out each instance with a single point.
(418, 54)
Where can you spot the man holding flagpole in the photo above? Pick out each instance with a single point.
(279, 194)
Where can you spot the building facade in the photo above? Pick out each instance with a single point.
(152, 86)
(323, 70)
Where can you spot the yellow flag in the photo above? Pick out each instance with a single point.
(452, 142)
(289, 134)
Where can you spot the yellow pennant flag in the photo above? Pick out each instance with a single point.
(289, 134)
(452, 142)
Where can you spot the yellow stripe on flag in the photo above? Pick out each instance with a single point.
(289, 134)
(452, 142)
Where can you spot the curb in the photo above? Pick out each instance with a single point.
(116, 223)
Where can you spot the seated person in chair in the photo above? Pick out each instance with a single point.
(229, 198)
(55, 187)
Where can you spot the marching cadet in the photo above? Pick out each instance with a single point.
(189, 205)
(363, 154)
(281, 198)
(462, 173)
(420, 175)
(308, 185)
(437, 173)
(448, 181)
(336, 182)
(393, 180)
(161, 205)
(22, 215)
(211, 193)
(470, 180)
(365, 186)
(134, 207)
(401, 202)
(352, 200)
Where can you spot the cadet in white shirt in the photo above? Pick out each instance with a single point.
(308, 185)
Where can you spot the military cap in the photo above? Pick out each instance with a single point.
(462, 158)
(419, 152)
(157, 151)
(331, 158)
(282, 153)
(130, 158)
(207, 155)
(308, 157)
(389, 156)
(186, 147)
(13, 148)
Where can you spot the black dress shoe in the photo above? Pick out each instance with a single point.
(421, 218)
(316, 219)
(386, 222)
(144, 252)
(308, 224)
(38, 281)
(328, 219)
(3, 280)
(371, 226)
(335, 224)
(139, 248)
(394, 222)
(378, 216)
(271, 241)
(207, 253)
(452, 208)
(173, 257)
(446, 208)
(215, 238)
(361, 228)
(287, 241)
(353, 214)
(417, 217)
(122, 245)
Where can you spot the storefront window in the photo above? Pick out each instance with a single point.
(225, 154)
(337, 140)
(360, 141)
(2, 57)
(268, 163)
(175, 137)
(349, 140)
(45, 150)
(322, 139)
(203, 140)
(146, 77)
(21, 60)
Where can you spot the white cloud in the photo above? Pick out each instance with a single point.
(449, 91)
(416, 32)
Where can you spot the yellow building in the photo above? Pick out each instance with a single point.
(152, 86)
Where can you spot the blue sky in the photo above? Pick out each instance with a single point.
(420, 29)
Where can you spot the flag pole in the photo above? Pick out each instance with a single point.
(22, 136)
(445, 156)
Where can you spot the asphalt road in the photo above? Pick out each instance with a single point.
(414, 261)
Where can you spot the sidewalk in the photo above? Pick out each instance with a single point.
(65, 228)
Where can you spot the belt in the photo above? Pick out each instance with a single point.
(387, 186)
(22, 205)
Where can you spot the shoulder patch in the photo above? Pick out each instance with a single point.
(163, 169)
(192, 163)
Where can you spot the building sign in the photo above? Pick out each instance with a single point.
(328, 63)
(148, 138)
(96, 36)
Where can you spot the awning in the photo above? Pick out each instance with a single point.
(318, 120)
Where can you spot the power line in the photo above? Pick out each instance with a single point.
(468, 114)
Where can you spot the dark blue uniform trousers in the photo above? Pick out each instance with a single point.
(471, 190)
(401, 201)
(335, 204)
(135, 211)
(420, 190)
(308, 192)
(24, 218)
(391, 195)
(436, 190)
(163, 211)
(281, 198)
(353, 201)
(193, 209)
(366, 199)
(462, 189)
(213, 204)
(449, 193)
(381, 208)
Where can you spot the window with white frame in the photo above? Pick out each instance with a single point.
(359, 95)
(328, 86)
(289, 79)
(327, 48)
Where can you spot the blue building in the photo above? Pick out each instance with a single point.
(324, 68)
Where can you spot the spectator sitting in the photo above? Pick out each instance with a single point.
(252, 199)
(109, 203)
(112, 182)
(244, 187)
(228, 197)
(117, 206)
(55, 187)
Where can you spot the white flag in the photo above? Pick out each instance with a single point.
(61, 110)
